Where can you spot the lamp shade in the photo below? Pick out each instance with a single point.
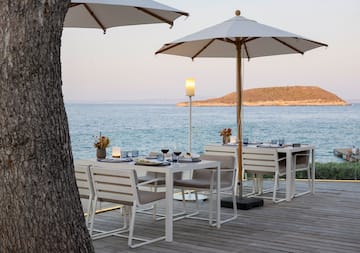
(190, 87)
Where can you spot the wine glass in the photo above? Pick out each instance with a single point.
(281, 142)
(177, 153)
(164, 150)
(273, 142)
(129, 155)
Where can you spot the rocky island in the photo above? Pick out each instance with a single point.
(276, 96)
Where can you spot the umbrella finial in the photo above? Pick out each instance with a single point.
(237, 12)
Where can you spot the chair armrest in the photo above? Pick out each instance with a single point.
(281, 159)
(221, 170)
(296, 155)
(150, 181)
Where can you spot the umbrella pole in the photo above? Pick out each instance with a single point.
(239, 114)
(241, 203)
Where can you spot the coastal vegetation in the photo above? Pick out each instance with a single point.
(276, 96)
(331, 171)
(335, 171)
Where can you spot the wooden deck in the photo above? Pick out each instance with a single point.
(328, 221)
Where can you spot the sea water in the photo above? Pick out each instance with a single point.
(150, 127)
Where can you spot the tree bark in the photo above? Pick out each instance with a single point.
(40, 208)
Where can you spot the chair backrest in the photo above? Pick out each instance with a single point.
(83, 179)
(226, 162)
(302, 160)
(261, 160)
(114, 185)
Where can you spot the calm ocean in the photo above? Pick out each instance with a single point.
(149, 127)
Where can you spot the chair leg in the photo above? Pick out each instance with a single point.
(132, 223)
(92, 218)
(275, 185)
(183, 199)
(196, 201)
(234, 203)
(293, 183)
(261, 184)
(255, 184)
(210, 207)
(309, 178)
(154, 206)
(89, 211)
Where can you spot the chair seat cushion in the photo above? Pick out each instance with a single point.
(148, 197)
(197, 183)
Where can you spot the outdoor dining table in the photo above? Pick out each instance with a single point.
(288, 150)
(169, 186)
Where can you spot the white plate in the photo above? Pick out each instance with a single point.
(148, 162)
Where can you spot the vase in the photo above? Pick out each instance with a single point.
(100, 153)
(226, 139)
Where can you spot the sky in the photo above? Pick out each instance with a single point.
(121, 66)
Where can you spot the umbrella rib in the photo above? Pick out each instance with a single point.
(288, 45)
(73, 4)
(167, 47)
(248, 40)
(243, 42)
(156, 16)
(315, 42)
(202, 49)
(246, 51)
(94, 16)
(227, 40)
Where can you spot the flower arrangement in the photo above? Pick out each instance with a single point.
(102, 142)
(225, 132)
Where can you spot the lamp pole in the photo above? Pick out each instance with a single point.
(190, 92)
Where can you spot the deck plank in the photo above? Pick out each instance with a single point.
(328, 221)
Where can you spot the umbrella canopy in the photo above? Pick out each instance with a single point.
(239, 37)
(105, 14)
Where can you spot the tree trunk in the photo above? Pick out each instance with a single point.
(40, 208)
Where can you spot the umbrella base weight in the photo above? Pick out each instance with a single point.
(242, 203)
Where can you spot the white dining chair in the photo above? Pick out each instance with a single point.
(204, 181)
(121, 187)
(85, 187)
(261, 161)
(301, 162)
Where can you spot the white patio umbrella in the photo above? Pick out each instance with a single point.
(105, 14)
(238, 38)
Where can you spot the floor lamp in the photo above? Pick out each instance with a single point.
(190, 92)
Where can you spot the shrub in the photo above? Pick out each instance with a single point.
(343, 171)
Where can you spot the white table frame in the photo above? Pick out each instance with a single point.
(288, 151)
(169, 185)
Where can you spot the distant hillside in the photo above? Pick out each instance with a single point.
(276, 96)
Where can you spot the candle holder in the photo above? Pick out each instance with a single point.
(116, 152)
